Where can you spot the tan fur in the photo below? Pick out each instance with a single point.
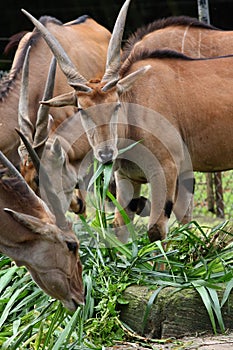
(184, 34)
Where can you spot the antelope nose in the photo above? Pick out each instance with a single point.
(106, 156)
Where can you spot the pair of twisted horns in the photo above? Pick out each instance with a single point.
(26, 135)
(75, 79)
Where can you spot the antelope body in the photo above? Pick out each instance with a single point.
(178, 107)
(30, 235)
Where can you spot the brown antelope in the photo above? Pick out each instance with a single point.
(91, 42)
(90, 54)
(61, 171)
(57, 149)
(178, 107)
(34, 237)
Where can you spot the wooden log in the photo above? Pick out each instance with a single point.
(173, 314)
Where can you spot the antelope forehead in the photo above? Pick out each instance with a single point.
(97, 98)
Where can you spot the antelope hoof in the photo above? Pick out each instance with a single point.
(155, 233)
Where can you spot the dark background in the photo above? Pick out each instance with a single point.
(105, 12)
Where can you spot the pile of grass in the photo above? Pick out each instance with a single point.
(196, 257)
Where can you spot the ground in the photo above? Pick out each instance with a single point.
(219, 342)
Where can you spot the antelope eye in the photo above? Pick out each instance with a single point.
(72, 246)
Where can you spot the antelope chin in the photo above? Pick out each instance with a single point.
(72, 304)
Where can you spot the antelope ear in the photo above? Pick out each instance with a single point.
(80, 87)
(126, 83)
(33, 223)
(68, 99)
(57, 151)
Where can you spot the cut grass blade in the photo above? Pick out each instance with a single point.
(70, 327)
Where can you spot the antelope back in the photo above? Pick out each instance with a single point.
(184, 34)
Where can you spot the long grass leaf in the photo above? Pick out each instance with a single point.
(95, 176)
(107, 179)
(55, 321)
(123, 150)
(216, 307)
(149, 306)
(7, 277)
(207, 302)
(9, 305)
(68, 330)
(89, 301)
(127, 221)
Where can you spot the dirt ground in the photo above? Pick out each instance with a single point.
(219, 342)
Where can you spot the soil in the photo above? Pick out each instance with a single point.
(219, 342)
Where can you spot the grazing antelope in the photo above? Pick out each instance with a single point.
(42, 241)
(89, 54)
(57, 149)
(61, 171)
(180, 109)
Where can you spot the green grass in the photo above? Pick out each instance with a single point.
(197, 257)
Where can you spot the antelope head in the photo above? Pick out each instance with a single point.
(42, 240)
(98, 101)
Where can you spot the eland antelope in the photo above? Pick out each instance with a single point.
(38, 239)
(89, 55)
(179, 108)
(91, 41)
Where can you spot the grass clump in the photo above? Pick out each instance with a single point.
(196, 257)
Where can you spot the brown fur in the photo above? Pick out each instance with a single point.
(144, 54)
(174, 21)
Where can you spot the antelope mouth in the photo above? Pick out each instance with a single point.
(77, 303)
(108, 162)
(72, 304)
